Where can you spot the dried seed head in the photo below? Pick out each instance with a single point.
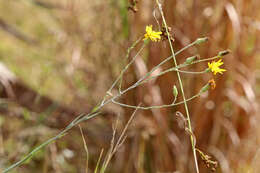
(165, 35)
(208, 161)
(133, 6)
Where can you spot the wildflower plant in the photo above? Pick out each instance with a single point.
(109, 97)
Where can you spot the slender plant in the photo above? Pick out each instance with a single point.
(154, 36)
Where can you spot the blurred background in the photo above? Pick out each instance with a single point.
(59, 57)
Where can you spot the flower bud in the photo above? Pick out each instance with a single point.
(224, 52)
(201, 40)
(204, 88)
(175, 91)
(191, 59)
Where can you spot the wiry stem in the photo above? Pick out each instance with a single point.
(157, 106)
(181, 86)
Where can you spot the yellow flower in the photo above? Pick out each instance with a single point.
(152, 35)
(214, 67)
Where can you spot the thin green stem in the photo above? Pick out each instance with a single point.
(119, 78)
(131, 62)
(181, 86)
(157, 106)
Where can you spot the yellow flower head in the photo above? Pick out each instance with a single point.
(214, 67)
(152, 35)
